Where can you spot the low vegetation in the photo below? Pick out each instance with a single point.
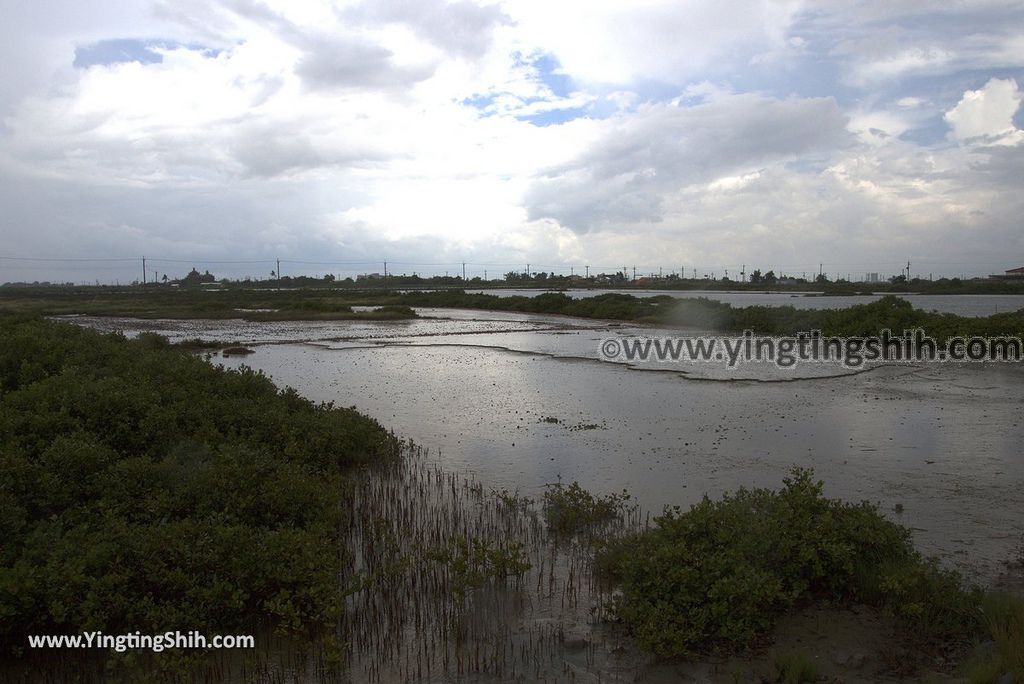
(189, 303)
(795, 667)
(716, 577)
(890, 312)
(144, 489)
(570, 509)
(1002, 653)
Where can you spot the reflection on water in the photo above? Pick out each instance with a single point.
(943, 442)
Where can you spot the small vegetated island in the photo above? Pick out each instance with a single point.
(144, 489)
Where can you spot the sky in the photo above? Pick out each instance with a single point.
(705, 136)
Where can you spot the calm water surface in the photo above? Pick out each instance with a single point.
(942, 443)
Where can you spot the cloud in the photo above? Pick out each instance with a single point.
(643, 156)
(610, 42)
(919, 59)
(337, 61)
(986, 115)
(270, 149)
(194, 117)
(461, 28)
(754, 130)
(910, 102)
(877, 43)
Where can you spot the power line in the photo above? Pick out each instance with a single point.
(87, 259)
(18, 262)
(534, 266)
(211, 261)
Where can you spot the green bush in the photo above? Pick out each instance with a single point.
(394, 311)
(571, 509)
(144, 489)
(717, 576)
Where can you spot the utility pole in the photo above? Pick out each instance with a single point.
(143, 270)
(279, 273)
(527, 270)
(743, 274)
(463, 271)
(588, 271)
(572, 271)
(695, 273)
(485, 275)
(634, 273)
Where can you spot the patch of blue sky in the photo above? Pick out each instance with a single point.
(481, 102)
(941, 92)
(121, 50)
(554, 117)
(947, 89)
(558, 85)
(548, 117)
(808, 75)
(932, 131)
(954, 24)
(550, 74)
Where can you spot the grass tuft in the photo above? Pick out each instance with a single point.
(795, 667)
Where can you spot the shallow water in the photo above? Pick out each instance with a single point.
(962, 305)
(940, 442)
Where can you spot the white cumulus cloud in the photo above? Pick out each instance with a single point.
(986, 114)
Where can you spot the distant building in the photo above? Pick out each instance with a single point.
(872, 278)
(194, 277)
(1012, 274)
(368, 276)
